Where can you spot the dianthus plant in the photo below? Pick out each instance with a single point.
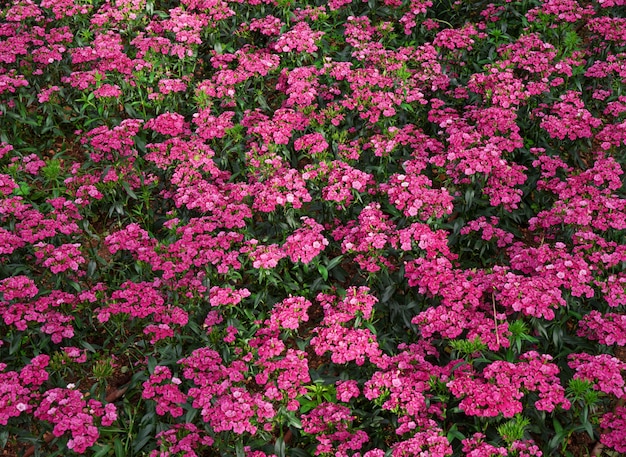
(290, 228)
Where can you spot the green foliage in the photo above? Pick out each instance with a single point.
(514, 430)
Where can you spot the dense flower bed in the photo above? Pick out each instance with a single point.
(348, 228)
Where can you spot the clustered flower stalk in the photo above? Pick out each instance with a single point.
(335, 228)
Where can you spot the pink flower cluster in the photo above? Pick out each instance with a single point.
(241, 146)
(604, 371)
(167, 396)
(368, 237)
(489, 231)
(300, 38)
(477, 447)
(503, 384)
(614, 425)
(111, 144)
(68, 410)
(22, 307)
(61, 258)
(305, 243)
(263, 256)
(144, 300)
(285, 187)
(429, 442)
(607, 328)
(227, 296)
(289, 313)
(179, 438)
(172, 124)
(402, 384)
(569, 118)
(223, 405)
(414, 196)
(330, 424)
(18, 390)
(345, 343)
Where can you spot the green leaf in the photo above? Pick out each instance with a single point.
(279, 447)
(23, 190)
(334, 262)
(4, 438)
(88, 346)
(129, 191)
(152, 363)
(454, 433)
(144, 436)
(323, 271)
(293, 421)
(388, 293)
(119, 448)
(191, 415)
(91, 268)
(239, 451)
(101, 451)
(589, 429)
(16, 343)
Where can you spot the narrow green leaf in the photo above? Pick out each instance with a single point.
(279, 447)
(323, 271)
(119, 448)
(101, 451)
(91, 268)
(334, 262)
(239, 451)
(129, 191)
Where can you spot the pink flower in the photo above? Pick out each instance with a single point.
(172, 124)
(62, 258)
(476, 447)
(158, 332)
(346, 344)
(75, 354)
(614, 426)
(414, 196)
(305, 243)
(285, 187)
(373, 233)
(7, 184)
(289, 313)
(68, 411)
(226, 296)
(604, 371)
(161, 389)
(347, 390)
(608, 328)
(108, 90)
(416, 8)
(299, 39)
(269, 25)
(431, 442)
(569, 118)
(502, 388)
(330, 424)
(462, 38)
(181, 438)
(14, 396)
(18, 287)
(209, 126)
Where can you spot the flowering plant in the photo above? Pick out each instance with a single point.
(280, 227)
